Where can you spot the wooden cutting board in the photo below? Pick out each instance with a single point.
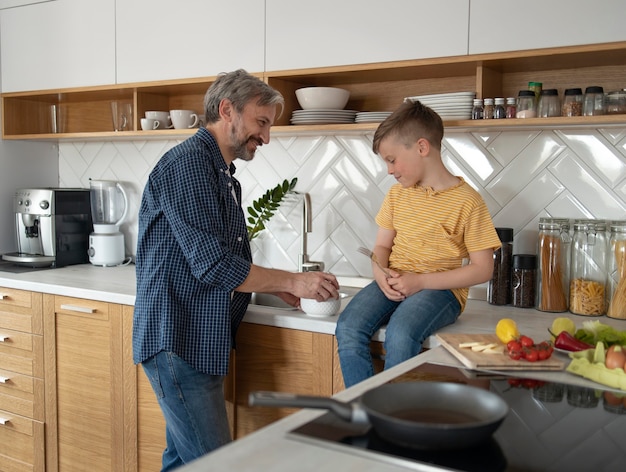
(478, 360)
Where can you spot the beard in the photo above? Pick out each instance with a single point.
(240, 143)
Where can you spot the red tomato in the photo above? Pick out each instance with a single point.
(515, 355)
(532, 355)
(514, 345)
(526, 341)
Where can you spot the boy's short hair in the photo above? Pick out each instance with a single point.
(409, 123)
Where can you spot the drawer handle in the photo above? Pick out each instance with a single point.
(3, 296)
(80, 309)
(4, 380)
(4, 420)
(3, 338)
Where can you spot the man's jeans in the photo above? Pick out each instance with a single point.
(193, 406)
(409, 323)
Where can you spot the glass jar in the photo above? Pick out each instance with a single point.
(499, 112)
(616, 271)
(477, 109)
(511, 107)
(593, 101)
(523, 280)
(616, 102)
(499, 287)
(488, 109)
(526, 105)
(587, 294)
(553, 264)
(535, 87)
(549, 103)
(572, 102)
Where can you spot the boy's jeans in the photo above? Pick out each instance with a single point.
(409, 323)
(193, 406)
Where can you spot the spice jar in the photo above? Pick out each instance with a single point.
(588, 268)
(523, 280)
(549, 104)
(499, 287)
(499, 112)
(553, 264)
(616, 271)
(616, 102)
(477, 109)
(526, 107)
(488, 109)
(593, 101)
(572, 102)
(535, 87)
(511, 107)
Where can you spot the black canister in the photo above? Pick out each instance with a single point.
(499, 287)
(523, 280)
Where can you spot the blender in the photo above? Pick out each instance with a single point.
(109, 205)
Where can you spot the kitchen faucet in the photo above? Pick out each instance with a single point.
(304, 264)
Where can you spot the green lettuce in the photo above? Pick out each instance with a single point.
(593, 332)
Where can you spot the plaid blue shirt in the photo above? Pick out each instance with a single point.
(192, 252)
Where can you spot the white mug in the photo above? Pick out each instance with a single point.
(184, 119)
(149, 124)
(162, 117)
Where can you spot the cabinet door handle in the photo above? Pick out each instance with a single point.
(80, 309)
(4, 420)
(3, 296)
(4, 380)
(3, 338)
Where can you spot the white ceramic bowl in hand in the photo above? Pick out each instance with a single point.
(328, 307)
(326, 98)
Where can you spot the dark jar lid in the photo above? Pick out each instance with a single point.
(573, 91)
(505, 234)
(526, 93)
(594, 89)
(550, 92)
(524, 261)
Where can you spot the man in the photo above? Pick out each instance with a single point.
(194, 270)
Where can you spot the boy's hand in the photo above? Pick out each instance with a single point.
(385, 284)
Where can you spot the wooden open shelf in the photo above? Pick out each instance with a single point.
(373, 87)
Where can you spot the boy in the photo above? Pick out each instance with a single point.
(429, 222)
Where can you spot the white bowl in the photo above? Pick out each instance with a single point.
(328, 307)
(322, 98)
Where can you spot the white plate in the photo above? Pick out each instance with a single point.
(323, 112)
(442, 95)
(320, 121)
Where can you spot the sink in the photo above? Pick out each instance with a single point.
(272, 301)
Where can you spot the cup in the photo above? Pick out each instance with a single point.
(149, 124)
(122, 115)
(162, 117)
(183, 119)
(57, 118)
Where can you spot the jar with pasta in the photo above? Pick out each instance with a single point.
(588, 268)
(616, 271)
(553, 257)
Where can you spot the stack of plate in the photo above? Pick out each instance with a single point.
(450, 106)
(371, 116)
(322, 116)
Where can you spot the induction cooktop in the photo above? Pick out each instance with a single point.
(550, 427)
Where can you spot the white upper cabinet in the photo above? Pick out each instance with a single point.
(304, 33)
(19, 3)
(65, 43)
(162, 39)
(500, 25)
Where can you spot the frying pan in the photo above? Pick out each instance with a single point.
(419, 415)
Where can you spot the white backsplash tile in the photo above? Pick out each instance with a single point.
(522, 176)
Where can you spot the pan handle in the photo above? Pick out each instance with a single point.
(280, 399)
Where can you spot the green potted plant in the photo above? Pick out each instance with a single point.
(263, 208)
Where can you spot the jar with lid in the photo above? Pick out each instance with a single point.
(593, 101)
(572, 102)
(616, 271)
(587, 295)
(553, 261)
(511, 107)
(477, 109)
(549, 103)
(526, 106)
(499, 112)
(488, 109)
(616, 102)
(499, 287)
(536, 88)
(523, 280)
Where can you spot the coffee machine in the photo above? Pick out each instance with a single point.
(52, 227)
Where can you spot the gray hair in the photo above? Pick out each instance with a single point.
(240, 88)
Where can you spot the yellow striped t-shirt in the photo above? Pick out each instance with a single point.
(436, 230)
